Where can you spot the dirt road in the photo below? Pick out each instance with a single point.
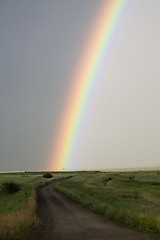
(65, 220)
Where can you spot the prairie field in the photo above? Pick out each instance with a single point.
(130, 198)
(18, 209)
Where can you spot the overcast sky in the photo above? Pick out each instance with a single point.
(40, 43)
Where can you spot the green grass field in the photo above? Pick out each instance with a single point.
(12, 202)
(18, 210)
(130, 198)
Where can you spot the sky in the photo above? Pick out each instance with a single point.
(40, 45)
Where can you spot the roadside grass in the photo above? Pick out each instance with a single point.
(122, 197)
(18, 224)
(12, 202)
(18, 210)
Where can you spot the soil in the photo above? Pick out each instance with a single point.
(63, 219)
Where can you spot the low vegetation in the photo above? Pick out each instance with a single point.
(47, 175)
(18, 203)
(129, 198)
(10, 187)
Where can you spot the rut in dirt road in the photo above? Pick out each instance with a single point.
(65, 220)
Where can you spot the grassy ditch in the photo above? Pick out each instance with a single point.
(122, 197)
(18, 210)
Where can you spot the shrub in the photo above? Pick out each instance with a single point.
(132, 177)
(10, 187)
(47, 175)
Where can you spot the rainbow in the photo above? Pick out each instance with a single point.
(86, 75)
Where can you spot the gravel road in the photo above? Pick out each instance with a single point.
(63, 219)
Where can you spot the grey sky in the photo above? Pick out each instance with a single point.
(40, 42)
